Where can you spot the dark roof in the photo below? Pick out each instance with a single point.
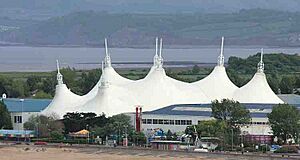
(290, 98)
(169, 110)
(29, 105)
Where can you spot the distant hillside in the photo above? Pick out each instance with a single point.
(41, 9)
(248, 27)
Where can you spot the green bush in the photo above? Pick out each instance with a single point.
(70, 141)
(287, 149)
(55, 135)
(250, 149)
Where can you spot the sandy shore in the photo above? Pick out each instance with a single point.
(42, 153)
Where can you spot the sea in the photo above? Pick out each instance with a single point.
(41, 59)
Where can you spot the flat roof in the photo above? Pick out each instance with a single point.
(256, 110)
(290, 98)
(29, 105)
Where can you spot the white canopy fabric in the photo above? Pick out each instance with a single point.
(114, 94)
(217, 85)
(257, 90)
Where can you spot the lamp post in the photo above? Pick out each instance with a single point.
(126, 139)
(88, 136)
(231, 139)
(22, 105)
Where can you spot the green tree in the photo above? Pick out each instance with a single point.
(232, 115)
(44, 125)
(169, 135)
(56, 135)
(285, 121)
(5, 85)
(48, 85)
(195, 69)
(273, 81)
(69, 76)
(33, 82)
(211, 128)
(117, 125)
(231, 112)
(286, 85)
(137, 138)
(19, 89)
(42, 95)
(5, 121)
(89, 80)
(77, 121)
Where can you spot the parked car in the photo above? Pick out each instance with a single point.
(40, 143)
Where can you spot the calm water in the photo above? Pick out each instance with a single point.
(43, 58)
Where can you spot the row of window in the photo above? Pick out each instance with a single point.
(18, 119)
(250, 123)
(167, 121)
(259, 123)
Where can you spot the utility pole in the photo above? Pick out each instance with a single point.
(231, 139)
(126, 139)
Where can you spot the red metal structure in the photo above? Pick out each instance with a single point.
(138, 118)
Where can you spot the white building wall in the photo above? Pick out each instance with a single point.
(259, 126)
(25, 116)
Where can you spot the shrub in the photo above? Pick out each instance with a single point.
(56, 135)
(287, 149)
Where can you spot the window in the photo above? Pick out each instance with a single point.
(155, 121)
(144, 121)
(177, 122)
(18, 119)
(183, 122)
(172, 122)
(189, 122)
(166, 121)
(160, 121)
(149, 121)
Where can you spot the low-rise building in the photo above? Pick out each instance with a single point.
(22, 109)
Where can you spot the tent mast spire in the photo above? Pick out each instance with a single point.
(59, 76)
(156, 58)
(160, 59)
(260, 65)
(107, 61)
(156, 46)
(221, 56)
(160, 48)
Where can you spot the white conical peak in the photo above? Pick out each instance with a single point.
(107, 60)
(221, 56)
(260, 65)
(59, 76)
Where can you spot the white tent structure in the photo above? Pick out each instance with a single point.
(114, 94)
(217, 85)
(154, 91)
(257, 90)
(110, 74)
(157, 89)
(64, 100)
